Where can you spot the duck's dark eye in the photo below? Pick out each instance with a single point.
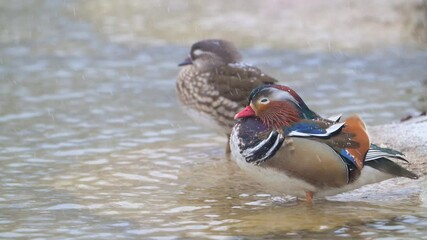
(264, 100)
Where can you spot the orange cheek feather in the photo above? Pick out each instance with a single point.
(354, 125)
(259, 108)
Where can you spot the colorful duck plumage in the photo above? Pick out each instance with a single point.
(290, 148)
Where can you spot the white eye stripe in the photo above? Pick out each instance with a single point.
(198, 52)
(283, 95)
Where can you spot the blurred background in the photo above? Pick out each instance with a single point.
(93, 143)
(303, 25)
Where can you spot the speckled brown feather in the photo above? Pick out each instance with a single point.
(221, 92)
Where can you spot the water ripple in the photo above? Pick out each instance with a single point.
(135, 177)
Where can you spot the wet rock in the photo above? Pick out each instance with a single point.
(409, 136)
(410, 116)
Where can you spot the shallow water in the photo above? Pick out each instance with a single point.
(93, 143)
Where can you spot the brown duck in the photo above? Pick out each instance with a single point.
(214, 84)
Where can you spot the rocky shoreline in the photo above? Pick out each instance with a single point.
(409, 136)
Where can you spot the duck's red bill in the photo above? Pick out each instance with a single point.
(246, 112)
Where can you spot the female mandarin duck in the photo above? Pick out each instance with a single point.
(214, 83)
(289, 148)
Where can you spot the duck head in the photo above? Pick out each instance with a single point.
(211, 53)
(276, 106)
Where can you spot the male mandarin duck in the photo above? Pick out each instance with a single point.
(283, 144)
(214, 84)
